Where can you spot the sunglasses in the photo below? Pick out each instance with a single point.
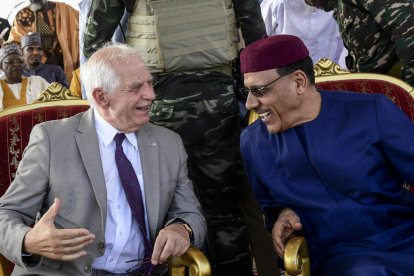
(259, 91)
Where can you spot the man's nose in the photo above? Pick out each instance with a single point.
(251, 102)
(149, 92)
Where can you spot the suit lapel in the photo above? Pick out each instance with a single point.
(87, 141)
(148, 148)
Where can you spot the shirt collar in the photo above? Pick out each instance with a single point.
(106, 132)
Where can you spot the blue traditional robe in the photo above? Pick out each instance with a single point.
(50, 72)
(343, 174)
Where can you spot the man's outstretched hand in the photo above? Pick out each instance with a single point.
(46, 240)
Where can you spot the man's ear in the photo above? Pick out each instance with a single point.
(301, 81)
(100, 98)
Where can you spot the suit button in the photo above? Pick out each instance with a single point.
(88, 268)
(101, 245)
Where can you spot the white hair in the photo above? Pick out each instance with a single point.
(99, 73)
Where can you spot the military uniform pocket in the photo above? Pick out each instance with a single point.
(161, 110)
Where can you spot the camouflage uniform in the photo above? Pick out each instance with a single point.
(201, 106)
(378, 33)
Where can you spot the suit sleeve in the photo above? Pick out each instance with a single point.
(25, 196)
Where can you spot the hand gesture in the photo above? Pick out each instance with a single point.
(286, 224)
(59, 244)
(173, 240)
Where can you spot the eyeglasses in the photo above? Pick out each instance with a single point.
(15, 61)
(260, 90)
(143, 267)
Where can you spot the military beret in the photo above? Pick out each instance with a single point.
(31, 39)
(272, 52)
(9, 49)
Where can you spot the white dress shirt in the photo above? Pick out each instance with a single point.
(317, 28)
(123, 239)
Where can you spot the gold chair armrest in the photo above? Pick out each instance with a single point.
(194, 261)
(296, 257)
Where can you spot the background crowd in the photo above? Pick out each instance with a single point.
(187, 79)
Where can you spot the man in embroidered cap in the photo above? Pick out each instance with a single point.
(58, 25)
(330, 165)
(32, 55)
(15, 89)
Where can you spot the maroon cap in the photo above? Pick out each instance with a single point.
(272, 52)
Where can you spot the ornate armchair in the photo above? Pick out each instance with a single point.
(16, 124)
(192, 263)
(329, 76)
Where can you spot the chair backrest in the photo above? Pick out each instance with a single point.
(328, 76)
(16, 124)
(56, 92)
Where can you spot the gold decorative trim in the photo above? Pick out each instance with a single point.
(14, 151)
(55, 92)
(326, 67)
(27, 107)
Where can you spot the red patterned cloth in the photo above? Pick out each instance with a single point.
(15, 132)
(397, 94)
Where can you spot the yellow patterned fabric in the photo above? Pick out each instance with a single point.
(75, 84)
(9, 99)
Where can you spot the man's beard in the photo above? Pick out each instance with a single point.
(36, 6)
(35, 63)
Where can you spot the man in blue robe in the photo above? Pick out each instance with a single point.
(331, 165)
(32, 54)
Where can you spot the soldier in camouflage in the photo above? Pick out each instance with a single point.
(379, 34)
(201, 106)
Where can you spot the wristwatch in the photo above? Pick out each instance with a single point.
(189, 230)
